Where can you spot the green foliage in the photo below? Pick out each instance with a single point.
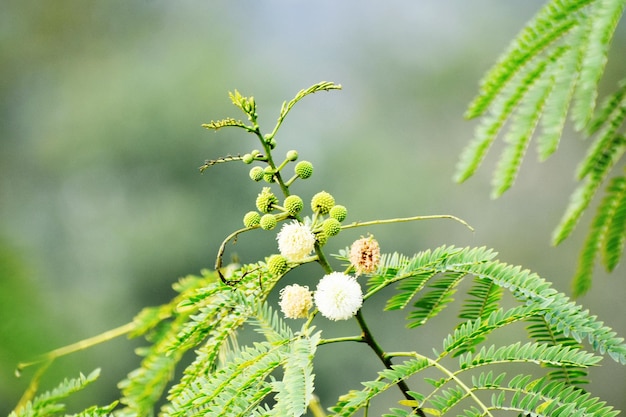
(48, 403)
(198, 362)
(552, 68)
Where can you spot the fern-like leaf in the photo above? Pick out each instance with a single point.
(523, 125)
(607, 231)
(349, 403)
(541, 331)
(48, 403)
(604, 15)
(484, 298)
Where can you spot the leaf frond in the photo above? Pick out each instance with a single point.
(48, 403)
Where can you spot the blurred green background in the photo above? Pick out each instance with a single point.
(102, 205)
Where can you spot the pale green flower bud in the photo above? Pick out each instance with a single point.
(322, 202)
(277, 264)
(293, 204)
(331, 227)
(338, 212)
(268, 222)
(251, 219)
(265, 200)
(304, 169)
(256, 173)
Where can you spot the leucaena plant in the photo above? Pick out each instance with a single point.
(463, 374)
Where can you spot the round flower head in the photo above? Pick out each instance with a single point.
(304, 169)
(365, 255)
(322, 202)
(293, 204)
(277, 264)
(338, 296)
(338, 212)
(295, 301)
(256, 173)
(331, 227)
(268, 222)
(251, 219)
(295, 241)
(265, 200)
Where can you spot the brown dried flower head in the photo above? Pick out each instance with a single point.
(365, 255)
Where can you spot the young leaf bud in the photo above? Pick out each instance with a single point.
(304, 169)
(338, 212)
(251, 219)
(256, 173)
(265, 200)
(268, 222)
(322, 202)
(293, 204)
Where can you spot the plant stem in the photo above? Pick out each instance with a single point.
(75, 347)
(385, 359)
(407, 219)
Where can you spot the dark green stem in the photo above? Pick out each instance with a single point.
(270, 161)
(385, 359)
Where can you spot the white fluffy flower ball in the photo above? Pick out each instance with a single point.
(338, 296)
(296, 241)
(295, 301)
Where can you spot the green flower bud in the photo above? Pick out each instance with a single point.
(338, 212)
(277, 264)
(304, 169)
(322, 202)
(321, 237)
(292, 155)
(265, 200)
(256, 173)
(255, 152)
(247, 158)
(251, 219)
(268, 222)
(331, 227)
(293, 204)
(268, 175)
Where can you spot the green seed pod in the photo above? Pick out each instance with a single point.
(268, 222)
(322, 202)
(256, 173)
(338, 212)
(251, 219)
(304, 169)
(265, 200)
(247, 158)
(292, 155)
(331, 227)
(277, 264)
(293, 204)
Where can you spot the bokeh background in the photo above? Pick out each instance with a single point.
(102, 205)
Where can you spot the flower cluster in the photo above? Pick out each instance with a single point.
(338, 297)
